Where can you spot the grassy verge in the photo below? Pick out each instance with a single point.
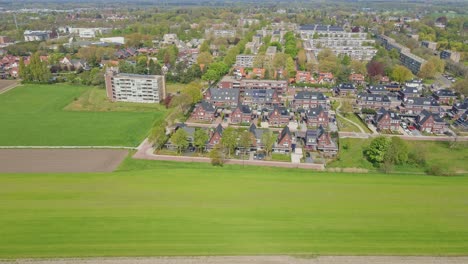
(436, 153)
(346, 126)
(167, 208)
(95, 100)
(280, 157)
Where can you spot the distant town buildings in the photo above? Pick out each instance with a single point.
(134, 87)
(409, 60)
(450, 55)
(37, 35)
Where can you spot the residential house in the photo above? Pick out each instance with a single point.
(415, 105)
(316, 117)
(458, 109)
(284, 142)
(345, 89)
(326, 77)
(260, 98)
(308, 99)
(203, 111)
(373, 101)
(377, 89)
(242, 114)
(386, 120)
(414, 84)
(257, 136)
(392, 87)
(257, 73)
(320, 140)
(190, 135)
(215, 137)
(279, 117)
(357, 78)
(445, 96)
(408, 92)
(279, 86)
(222, 97)
(304, 77)
(430, 122)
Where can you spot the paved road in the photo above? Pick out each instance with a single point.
(250, 260)
(422, 138)
(145, 151)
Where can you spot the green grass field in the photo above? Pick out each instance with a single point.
(34, 115)
(436, 152)
(165, 208)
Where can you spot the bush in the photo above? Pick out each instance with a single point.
(437, 170)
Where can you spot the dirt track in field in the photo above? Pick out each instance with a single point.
(253, 260)
(60, 160)
(7, 84)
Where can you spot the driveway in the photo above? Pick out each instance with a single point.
(296, 156)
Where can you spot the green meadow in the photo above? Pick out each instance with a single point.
(35, 115)
(150, 208)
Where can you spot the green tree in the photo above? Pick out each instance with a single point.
(358, 67)
(302, 59)
(216, 155)
(268, 141)
(461, 86)
(179, 139)
(204, 58)
(375, 153)
(200, 138)
(346, 60)
(229, 139)
(193, 89)
(158, 136)
(397, 151)
(245, 140)
(290, 67)
(205, 46)
(428, 70)
(401, 74)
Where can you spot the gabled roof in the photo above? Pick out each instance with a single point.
(282, 110)
(285, 132)
(190, 130)
(427, 101)
(409, 90)
(207, 106)
(223, 94)
(346, 86)
(444, 93)
(245, 109)
(314, 111)
(219, 129)
(255, 131)
(425, 115)
(302, 95)
(373, 97)
(376, 89)
(382, 112)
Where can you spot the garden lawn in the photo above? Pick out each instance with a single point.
(34, 115)
(166, 208)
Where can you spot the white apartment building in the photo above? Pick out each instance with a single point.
(245, 61)
(354, 44)
(134, 88)
(89, 32)
(36, 35)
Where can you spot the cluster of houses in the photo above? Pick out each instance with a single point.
(247, 102)
(317, 139)
(9, 65)
(394, 104)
